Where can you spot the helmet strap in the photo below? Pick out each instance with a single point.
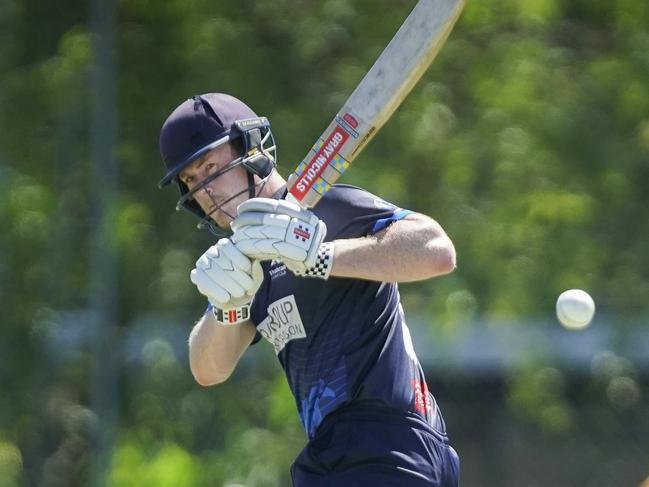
(251, 185)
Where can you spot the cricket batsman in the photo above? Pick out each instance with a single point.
(321, 286)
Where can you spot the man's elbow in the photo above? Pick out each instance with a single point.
(447, 263)
(442, 258)
(207, 378)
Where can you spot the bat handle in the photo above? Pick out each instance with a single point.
(292, 199)
(289, 195)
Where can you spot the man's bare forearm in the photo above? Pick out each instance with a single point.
(215, 350)
(411, 249)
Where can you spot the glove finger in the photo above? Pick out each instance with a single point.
(227, 281)
(257, 278)
(223, 278)
(259, 232)
(208, 288)
(267, 205)
(295, 211)
(250, 248)
(297, 268)
(289, 251)
(238, 258)
(243, 279)
(212, 252)
(264, 205)
(244, 233)
(205, 262)
(212, 259)
(247, 219)
(259, 246)
(257, 273)
(268, 246)
(255, 218)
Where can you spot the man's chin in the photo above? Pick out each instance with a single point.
(224, 226)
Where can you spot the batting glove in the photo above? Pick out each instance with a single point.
(229, 280)
(268, 229)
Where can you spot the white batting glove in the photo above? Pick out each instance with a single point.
(268, 229)
(229, 280)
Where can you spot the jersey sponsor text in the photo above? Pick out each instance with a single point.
(282, 324)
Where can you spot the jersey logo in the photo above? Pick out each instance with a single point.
(277, 269)
(422, 401)
(282, 324)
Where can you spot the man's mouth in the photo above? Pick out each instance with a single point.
(215, 203)
(217, 212)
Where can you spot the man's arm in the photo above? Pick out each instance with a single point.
(411, 249)
(215, 349)
(229, 280)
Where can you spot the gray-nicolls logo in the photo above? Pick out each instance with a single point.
(301, 232)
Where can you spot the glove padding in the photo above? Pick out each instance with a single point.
(228, 279)
(268, 229)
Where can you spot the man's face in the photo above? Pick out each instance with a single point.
(219, 190)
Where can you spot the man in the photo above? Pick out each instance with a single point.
(320, 286)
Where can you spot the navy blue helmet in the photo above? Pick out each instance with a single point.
(203, 123)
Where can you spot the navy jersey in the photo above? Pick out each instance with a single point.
(342, 340)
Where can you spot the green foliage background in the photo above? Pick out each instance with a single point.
(528, 140)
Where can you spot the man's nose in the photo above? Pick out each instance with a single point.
(208, 190)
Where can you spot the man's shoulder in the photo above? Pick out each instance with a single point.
(350, 211)
(344, 190)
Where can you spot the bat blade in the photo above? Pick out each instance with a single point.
(377, 96)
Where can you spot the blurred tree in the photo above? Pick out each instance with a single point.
(528, 140)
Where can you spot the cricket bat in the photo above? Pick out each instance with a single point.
(377, 96)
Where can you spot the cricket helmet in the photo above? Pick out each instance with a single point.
(203, 123)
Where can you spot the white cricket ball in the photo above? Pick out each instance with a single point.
(575, 309)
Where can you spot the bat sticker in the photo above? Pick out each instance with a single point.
(319, 162)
